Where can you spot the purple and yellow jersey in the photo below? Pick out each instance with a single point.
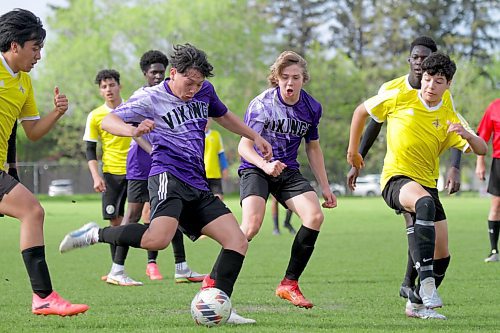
(17, 101)
(178, 139)
(283, 125)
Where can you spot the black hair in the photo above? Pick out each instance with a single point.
(20, 26)
(438, 63)
(187, 57)
(424, 41)
(107, 74)
(152, 57)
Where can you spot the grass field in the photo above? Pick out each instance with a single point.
(353, 277)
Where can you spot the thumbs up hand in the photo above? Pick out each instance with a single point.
(60, 102)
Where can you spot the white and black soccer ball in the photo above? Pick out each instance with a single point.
(211, 307)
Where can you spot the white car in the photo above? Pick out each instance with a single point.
(60, 187)
(337, 189)
(367, 186)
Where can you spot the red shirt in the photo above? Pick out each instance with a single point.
(490, 124)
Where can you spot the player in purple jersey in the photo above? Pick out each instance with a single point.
(284, 115)
(153, 64)
(175, 114)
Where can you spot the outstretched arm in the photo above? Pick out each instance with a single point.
(236, 125)
(116, 126)
(371, 133)
(354, 158)
(317, 163)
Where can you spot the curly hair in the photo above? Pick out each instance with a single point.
(152, 57)
(187, 57)
(284, 60)
(20, 26)
(438, 63)
(107, 74)
(424, 41)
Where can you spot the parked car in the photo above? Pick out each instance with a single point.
(367, 186)
(337, 189)
(60, 187)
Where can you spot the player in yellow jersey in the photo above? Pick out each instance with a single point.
(113, 183)
(21, 40)
(420, 127)
(216, 167)
(420, 48)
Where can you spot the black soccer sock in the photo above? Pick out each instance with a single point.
(493, 231)
(411, 273)
(288, 217)
(302, 249)
(112, 250)
(213, 273)
(121, 255)
(152, 255)
(424, 236)
(227, 270)
(124, 235)
(440, 267)
(276, 222)
(34, 260)
(178, 247)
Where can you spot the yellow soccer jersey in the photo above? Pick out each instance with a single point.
(17, 101)
(213, 147)
(416, 134)
(114, 148)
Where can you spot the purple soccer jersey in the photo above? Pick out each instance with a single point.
(283, 125)
(138, 161)
(178, 139)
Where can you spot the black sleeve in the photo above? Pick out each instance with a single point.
(11, 149)
(91, 152)
(371, 133)
(455, 158)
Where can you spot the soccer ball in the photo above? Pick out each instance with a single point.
(211, 307)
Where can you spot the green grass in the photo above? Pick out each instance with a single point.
(353, 277)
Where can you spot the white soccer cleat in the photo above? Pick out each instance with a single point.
(428, 293)
(184, 274)
(494, 257)
(122, 279)
(415, 310)
(83, 237)
(236, 319)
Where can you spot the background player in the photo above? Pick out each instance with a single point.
(490, 128)
(113, 183)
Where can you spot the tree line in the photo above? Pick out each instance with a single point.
(352, 47)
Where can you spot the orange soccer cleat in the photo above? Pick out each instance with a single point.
(289, 290)
(56, 305)
(153, 272)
